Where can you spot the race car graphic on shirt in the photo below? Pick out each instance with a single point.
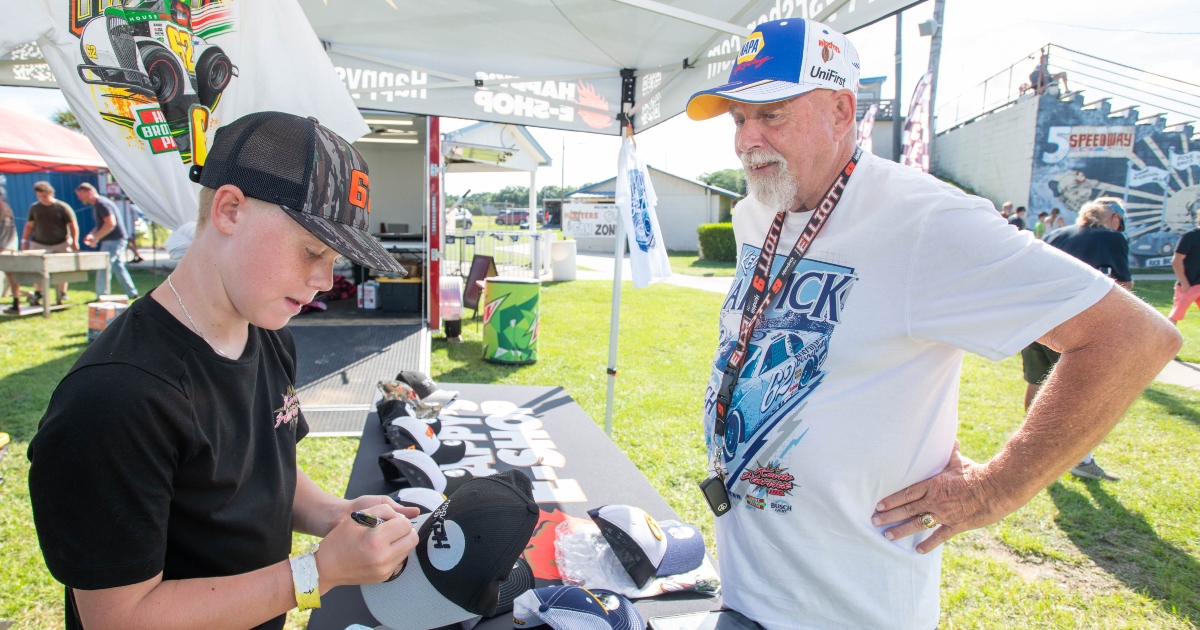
(784, 365)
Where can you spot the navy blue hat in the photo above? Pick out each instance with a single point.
(575, 608)
(644, 548)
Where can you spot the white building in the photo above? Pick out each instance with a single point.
(683, 205)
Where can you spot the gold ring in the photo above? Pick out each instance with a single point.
(927, 520)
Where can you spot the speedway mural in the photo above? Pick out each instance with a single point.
(152, 67)
(1081, 154)
(784, 365)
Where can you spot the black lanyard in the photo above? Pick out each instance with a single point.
(758, 295)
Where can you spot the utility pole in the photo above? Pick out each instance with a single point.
(897, 130)
(935, 56)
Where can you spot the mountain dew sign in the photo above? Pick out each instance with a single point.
(510, 320)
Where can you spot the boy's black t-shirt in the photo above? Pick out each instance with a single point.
(1189, 248)
(157, 454)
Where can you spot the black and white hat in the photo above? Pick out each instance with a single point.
(575, 608)
(417, 469)
(406, 432)
(466, 548)
(643, 548)
(389, 410)
(424, 499)
(426, 389)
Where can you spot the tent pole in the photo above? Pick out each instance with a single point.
(613, 324)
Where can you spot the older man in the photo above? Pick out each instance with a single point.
(832, 408)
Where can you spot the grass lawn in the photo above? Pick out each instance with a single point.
(689, 263)
(1159, 293)
(1080, 555)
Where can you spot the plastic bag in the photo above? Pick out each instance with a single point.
(585, 559)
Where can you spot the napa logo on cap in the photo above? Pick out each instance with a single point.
(754, 44)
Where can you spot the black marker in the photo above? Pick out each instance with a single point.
(366, 519)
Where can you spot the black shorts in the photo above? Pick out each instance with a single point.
(1038, 361)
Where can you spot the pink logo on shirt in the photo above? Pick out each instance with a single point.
(290, 411)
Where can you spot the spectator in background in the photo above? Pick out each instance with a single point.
(1018, 218)
(1006, 209)
(1055, 221)
(108, 236)
(51, 226)
(1096, 240)
(8, 242)
(129, 216)
(1039, 228)
(1041, 77)
(1186, 264)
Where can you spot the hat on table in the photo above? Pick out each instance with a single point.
(575, 608)
(315, 175)
(424, 499)
(779, 60)
(406, 432)
(643, 548)
(426, 389)
(390, 409)
(416, 469)
(466, 548)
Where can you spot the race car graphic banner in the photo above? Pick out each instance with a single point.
(150, 81)
(784, 365)
(1081, 154)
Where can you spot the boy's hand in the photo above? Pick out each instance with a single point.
(364, 504)
(356, 554)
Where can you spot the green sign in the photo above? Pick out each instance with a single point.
(510, 320)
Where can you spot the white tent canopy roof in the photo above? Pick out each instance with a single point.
(492, 147)
(551, 63)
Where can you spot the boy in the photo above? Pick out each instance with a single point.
(164, 479)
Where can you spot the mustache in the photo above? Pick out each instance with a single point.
(758, 159)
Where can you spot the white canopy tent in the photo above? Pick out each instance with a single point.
(491, 147)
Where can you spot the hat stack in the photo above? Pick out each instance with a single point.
(644, 549)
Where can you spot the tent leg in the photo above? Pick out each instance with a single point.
(613, 325)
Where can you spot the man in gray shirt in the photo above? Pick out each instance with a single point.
(108, 236)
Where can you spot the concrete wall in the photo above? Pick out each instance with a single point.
(397, 183)
(992, 155)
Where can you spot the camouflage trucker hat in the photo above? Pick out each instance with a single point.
(317, 177)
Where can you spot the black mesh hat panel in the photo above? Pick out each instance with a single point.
(315, 175)
(493, 518)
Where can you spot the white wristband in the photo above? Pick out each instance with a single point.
(305, 579)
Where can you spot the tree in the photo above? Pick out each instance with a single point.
(556, 192)
(66, 118)
(731, 179)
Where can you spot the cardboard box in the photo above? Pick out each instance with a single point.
(119, 298)
(100, 315)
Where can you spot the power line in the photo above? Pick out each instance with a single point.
(1115, 30)
(1130, 87)
(1115, 63)
(1088, 65)
(1137, 101)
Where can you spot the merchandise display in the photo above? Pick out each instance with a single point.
(645, 549)
(424, 499)
(415, 469)
(400, 390)
(466, 548)
(575, 608)
(406, 432)
(584, 558)
(426, 389)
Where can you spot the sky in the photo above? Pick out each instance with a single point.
(980, 39)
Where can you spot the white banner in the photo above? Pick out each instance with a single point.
(1150, 174)
(589, 220)
(865, 127)
(1089, 142)
(150, 87)
(915, 151)
(635, 203)
(1181, 161)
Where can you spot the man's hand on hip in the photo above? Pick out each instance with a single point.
(958, 499)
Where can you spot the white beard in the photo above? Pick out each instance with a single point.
(777, 191)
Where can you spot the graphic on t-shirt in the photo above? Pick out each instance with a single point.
(290, 411)
(153, 69)
(783, 367)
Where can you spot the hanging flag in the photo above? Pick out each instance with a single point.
(915, 152)
(635, 202)
(150, 82)
(1181, 161)
(1150, 174)
(866, 126)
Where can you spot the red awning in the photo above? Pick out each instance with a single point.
(32, 144)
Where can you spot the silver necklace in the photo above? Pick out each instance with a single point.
(189, 316)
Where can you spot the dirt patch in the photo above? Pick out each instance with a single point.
(1087, 577)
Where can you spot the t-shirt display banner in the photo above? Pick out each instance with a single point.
(597, 220)
(150, 81)
(635, 203)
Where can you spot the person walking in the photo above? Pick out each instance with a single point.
(51, 226)
(1055, 220)
(1096, 240)
(108, 236)
(1186, 265)
(1018, 218)
(129, 217)
(1006, 209)
(832, 403)
(8, 243)
(1039, 228)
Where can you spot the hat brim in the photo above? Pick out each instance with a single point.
(712, 103)
(440, 397)
(410, 602)
(348, 241)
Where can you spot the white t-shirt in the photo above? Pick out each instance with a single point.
(849, 392)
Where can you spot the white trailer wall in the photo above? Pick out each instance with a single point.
(397, 182)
